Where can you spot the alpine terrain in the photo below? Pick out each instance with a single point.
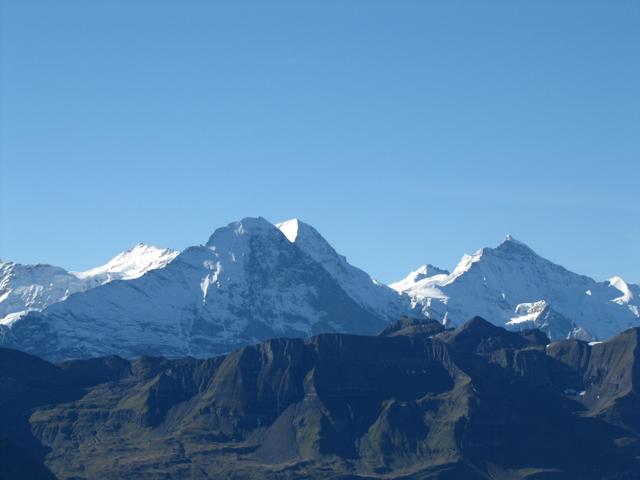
(250, 281)
(254, 280)
(514, 287)
(26, 288)
(415, 402)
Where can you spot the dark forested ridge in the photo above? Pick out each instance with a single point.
(416, 401)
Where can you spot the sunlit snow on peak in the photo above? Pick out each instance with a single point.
(289, 228)
(132, 263)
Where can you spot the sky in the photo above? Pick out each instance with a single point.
(406, 132)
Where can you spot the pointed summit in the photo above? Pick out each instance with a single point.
(511, 244)
(426, 271)
(481, 336)
(246, 227)
(479, 324)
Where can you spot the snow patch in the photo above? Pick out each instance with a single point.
(289, 228)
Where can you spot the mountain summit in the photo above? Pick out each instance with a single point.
(133, 263)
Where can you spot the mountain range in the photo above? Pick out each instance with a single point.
(248, 282)
(254, 280)
(517, 288)
(415, 402)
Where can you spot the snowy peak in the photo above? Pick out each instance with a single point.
(130, 264)
(509, 249)
(508, 258)
(426, 271)
(240, 243)
(242, 229)
(512, 247)
(510, 242)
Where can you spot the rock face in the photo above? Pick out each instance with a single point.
(247, 283)
(367, 292)
(409, 327)
(514, 287)
(474, 403)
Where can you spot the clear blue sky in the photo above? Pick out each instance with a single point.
(406, 132)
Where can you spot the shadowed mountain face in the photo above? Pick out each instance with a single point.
(415, 402)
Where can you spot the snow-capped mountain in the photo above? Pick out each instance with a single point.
(512, 286)
(26, 288)
(247, 283)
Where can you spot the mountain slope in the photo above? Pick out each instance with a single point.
(475, 403)
(34, 287)
(130, 264)
(248, 283)
(367, 292)
(507, 284)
